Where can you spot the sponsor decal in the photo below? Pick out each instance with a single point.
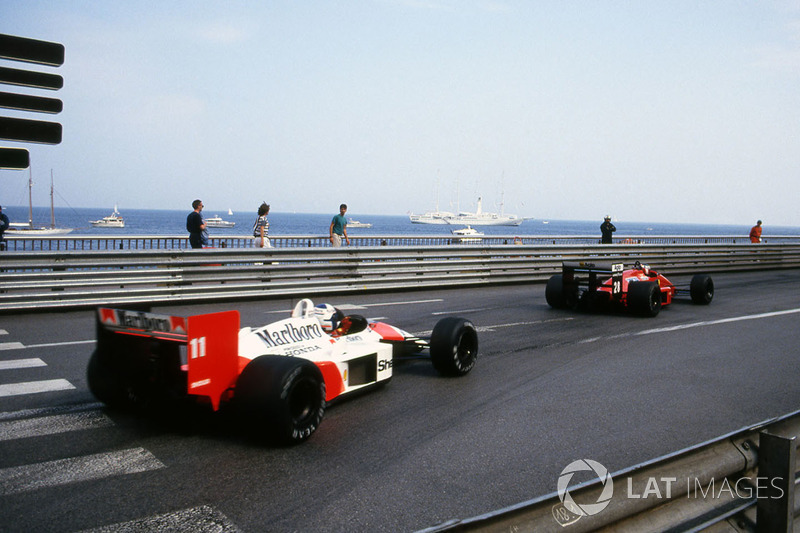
(290, 333)
(143, 321)
(300, 350)
(199, 383)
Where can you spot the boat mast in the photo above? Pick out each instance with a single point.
(30, 196)
(52, 208)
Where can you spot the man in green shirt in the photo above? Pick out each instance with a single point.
(338, 227)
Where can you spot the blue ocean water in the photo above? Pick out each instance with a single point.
(169, 222)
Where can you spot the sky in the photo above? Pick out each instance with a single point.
(655, 111)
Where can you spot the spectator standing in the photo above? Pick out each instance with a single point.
(338, 227)
(4, 223)
(606, 229)
(196, 226)
(755, 232)
(261, 227)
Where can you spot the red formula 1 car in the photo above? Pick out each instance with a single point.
(277, 378)
(640, 289)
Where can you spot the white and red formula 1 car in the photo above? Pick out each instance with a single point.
(278, 377)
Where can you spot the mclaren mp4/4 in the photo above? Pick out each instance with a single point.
(277, 378)
(640, 290)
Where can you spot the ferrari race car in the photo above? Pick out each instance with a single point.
(640, 289)
(277, 378)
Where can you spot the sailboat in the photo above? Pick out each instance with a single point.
(432, 217)
(18, 228)
(484, 218)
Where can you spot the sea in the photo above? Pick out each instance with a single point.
(173, 222)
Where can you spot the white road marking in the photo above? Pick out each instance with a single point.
(20, 346)
(11, 345)
(52, 425)
(719, 321)
(3, 332)
(494, 327)
(412, 302)
(690, 325)
(21, 363)
(65, 343)
(34, 387)
(49, 411)
(203, 519)
(351, 307)
(74, 469)
(436, 313)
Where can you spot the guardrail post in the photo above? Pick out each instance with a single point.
(776, 464)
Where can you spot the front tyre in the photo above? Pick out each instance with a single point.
(454, 346)
(281, 398)
(702, 289)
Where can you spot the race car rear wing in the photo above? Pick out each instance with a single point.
(571, 274)
(208, 344)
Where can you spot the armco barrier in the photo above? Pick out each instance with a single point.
(741, 482)
(75, 279)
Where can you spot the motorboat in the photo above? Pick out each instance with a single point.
(467, 235)
(356, 224)
(114, 220)
(217, 222)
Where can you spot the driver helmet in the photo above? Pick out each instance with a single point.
(328, 317)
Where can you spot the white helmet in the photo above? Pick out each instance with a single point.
(328, 316)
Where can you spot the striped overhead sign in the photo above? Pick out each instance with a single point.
(24, 129)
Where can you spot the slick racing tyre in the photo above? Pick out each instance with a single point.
(644, 298)
(558, 296)
(104, 378)
(454, 346)
(702, 289)
(281, 399)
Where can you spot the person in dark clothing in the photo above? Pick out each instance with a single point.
(196, 226)
(606, 229)
(4, 223)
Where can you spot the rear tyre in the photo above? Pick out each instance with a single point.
(702, 289)
(105, 380)
(454, 346)
(557, 295)
(281, 399)
(644, 298)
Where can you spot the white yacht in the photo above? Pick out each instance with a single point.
(467, 235)
(114, 220)
(217, 222)
(481, 218)
(356, 224)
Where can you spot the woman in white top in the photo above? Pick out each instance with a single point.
(261, 227)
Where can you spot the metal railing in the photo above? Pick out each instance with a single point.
(76, 279)
(744, 481)
(18, 243)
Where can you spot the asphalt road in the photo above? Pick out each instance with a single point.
(550, 387)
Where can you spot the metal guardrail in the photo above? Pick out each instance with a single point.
(18, 243)
(744, 481)
(77, 279)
